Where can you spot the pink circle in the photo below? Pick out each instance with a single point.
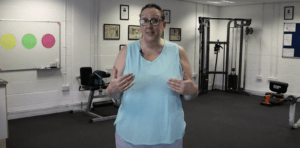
(48, 41)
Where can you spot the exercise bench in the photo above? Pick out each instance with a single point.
(93, 81)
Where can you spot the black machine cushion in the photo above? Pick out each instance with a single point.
(89, 78)
(278, 87)
(96, 79)
(85, 73)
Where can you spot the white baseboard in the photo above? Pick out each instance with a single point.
(49, 110)
(38, 112)
(78, 105)
(254, 92)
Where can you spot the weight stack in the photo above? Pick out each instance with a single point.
(232, 82)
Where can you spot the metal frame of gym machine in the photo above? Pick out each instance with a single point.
(204, 54)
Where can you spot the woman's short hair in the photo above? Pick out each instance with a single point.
(152, 5)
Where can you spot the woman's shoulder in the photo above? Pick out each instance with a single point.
(171, 44)
(181, 50)
(134, 43)
(132, 46)
(123, 52)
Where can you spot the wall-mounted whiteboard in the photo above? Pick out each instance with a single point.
(29, 45)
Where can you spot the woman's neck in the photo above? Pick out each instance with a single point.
(154, 45)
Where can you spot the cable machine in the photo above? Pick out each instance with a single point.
(233, 80)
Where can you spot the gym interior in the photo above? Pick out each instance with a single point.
(244, 57)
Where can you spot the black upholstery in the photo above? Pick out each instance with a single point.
(279, 87)
(85, 73)
(92, 80)
(85, 78)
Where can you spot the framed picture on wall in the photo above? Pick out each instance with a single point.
(167, 14)
(175, 34)
(111, 32)
(134, 32)
(121, 46)
(289, 13)
(124, 12)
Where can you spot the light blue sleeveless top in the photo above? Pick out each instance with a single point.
(150, 112)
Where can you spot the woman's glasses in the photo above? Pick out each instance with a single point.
(152, 21)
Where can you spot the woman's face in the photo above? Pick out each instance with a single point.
(152, 32)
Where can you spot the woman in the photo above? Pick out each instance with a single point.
(149, 75)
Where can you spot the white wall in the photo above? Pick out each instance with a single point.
(264, 56)
(32, 92)
(184, 15)
(40, 92)
(252, 12)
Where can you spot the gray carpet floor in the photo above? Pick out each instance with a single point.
(214, 120)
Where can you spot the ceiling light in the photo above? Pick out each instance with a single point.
(221, 2)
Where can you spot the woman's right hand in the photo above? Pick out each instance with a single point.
(122, 83)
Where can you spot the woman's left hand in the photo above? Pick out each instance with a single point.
(184, 87)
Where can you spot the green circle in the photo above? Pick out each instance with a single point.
(29, 41)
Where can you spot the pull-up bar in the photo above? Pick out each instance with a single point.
(248, 21)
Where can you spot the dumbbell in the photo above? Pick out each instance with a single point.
(291, 99)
